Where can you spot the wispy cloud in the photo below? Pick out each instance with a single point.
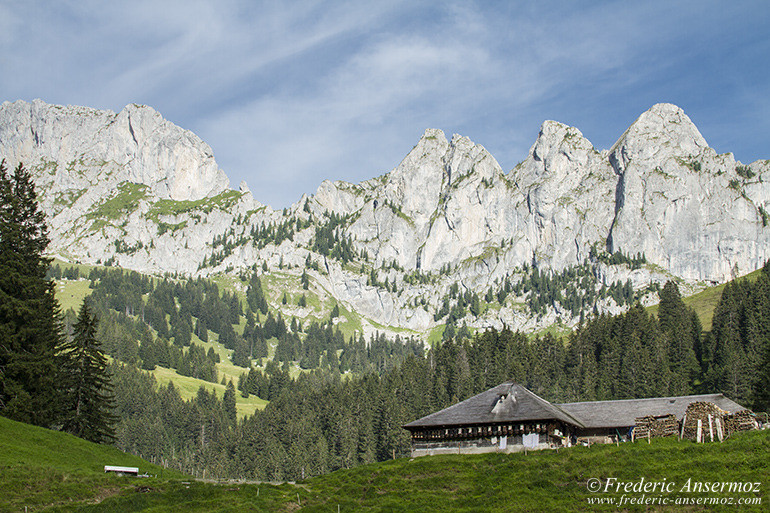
(289, 95)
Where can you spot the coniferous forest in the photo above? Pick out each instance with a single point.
(347, 404)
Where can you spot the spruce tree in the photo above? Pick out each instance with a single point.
(683, 333)
(30, 327)
(228, 402)
(86, 382)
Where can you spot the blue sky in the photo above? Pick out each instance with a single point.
(291, 93)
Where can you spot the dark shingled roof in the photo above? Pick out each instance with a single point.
(510, 403)
(601, 414)
(504, 403)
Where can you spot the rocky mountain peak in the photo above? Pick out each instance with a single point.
(662, 132)
(446, 216)
(78, 147)
(560, 153)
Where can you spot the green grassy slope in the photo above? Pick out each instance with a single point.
(705, 301)
(544, 480)
(45, 470)
(188, 388)
(39, 467)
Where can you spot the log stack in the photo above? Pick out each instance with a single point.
(666, 426)
(642, 427)
(653, 427)
(704, 422)
(743, 420)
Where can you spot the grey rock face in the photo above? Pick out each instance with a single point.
(80, 147)
(682, 205)
(569, 191)
(660, 191)
(135, 189)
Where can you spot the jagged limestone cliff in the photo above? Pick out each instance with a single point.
(134, 190)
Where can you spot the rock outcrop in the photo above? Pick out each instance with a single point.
(134, 190)
(685, 207)
(78, 147)
(659, 191)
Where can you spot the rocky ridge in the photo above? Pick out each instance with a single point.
(410, 249)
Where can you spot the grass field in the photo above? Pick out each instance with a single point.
(44, 470)
(188, 387)
(40, 468)
(71, 293)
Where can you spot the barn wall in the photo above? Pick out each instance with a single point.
(513, 443)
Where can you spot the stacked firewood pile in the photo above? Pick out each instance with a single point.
(652, 427)
(743, 420)
(704, 422)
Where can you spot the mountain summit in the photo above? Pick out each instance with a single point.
(87, 147)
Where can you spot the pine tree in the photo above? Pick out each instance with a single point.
(475, 305)
(761, 388)
(684, 333)
(86, 382)
(30, 328)
(228, 402)
(254, 295)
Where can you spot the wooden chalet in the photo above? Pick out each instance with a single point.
(509, 418)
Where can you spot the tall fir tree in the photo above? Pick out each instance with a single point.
(30, 327)
(89, 397)
(228, 403)
(682, 328)
(761, 388)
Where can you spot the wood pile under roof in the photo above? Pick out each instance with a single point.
(740, 421)
(653, 427)
(704, 421)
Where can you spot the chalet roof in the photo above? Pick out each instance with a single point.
(505, 403)
(601, 414)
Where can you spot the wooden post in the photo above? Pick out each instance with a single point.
(719, 430)
(698, 437)
(711, 430)
(684, 421)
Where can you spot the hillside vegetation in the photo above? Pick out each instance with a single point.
(40, 468)
(44, 470)
(705, 302)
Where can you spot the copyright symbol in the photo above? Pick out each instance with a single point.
(594, 484)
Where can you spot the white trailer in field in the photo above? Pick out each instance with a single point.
(122, 471)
